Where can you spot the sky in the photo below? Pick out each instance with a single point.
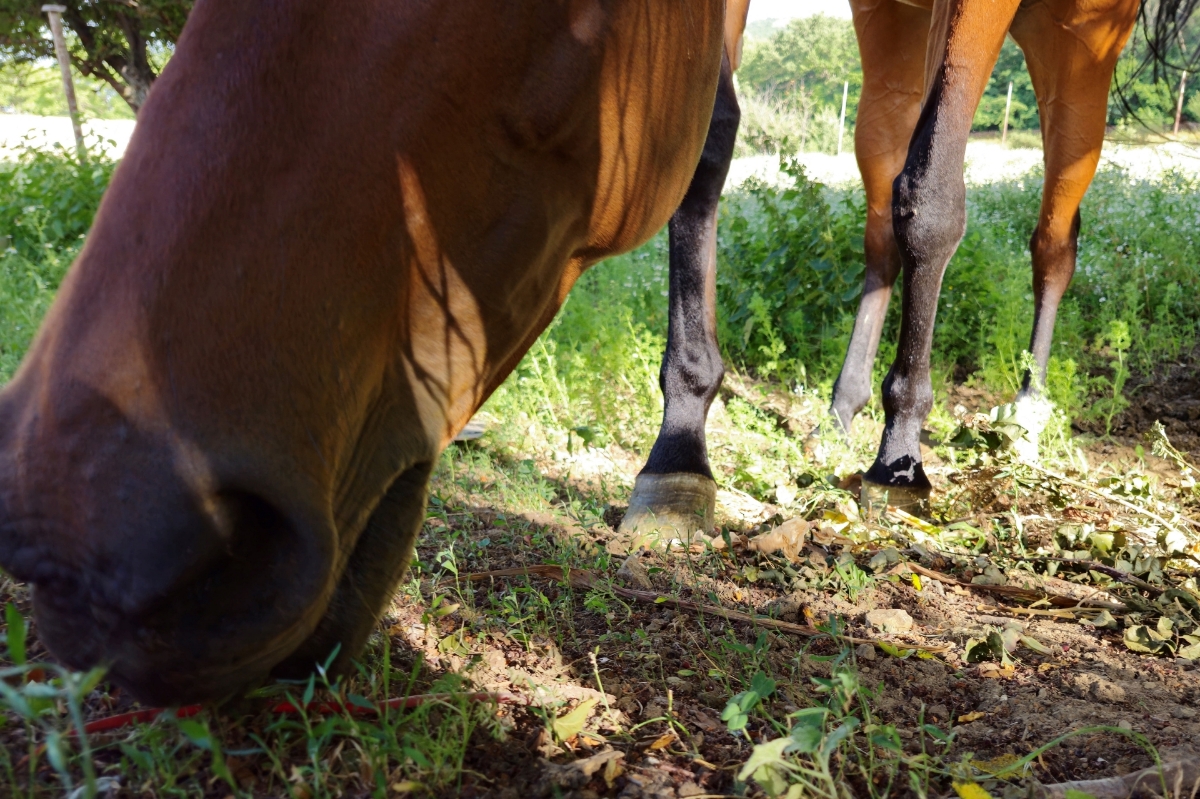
(787, 9)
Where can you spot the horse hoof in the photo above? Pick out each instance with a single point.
(874, 498)
(666, 508)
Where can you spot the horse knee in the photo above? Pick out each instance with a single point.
(929, 215)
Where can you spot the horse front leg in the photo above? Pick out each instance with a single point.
(929, 218)
(675, 494)
(891, 38)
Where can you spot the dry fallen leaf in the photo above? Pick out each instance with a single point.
(663, 741)
(967, 718)
(787, 538)
(612, 770)
(996, 671)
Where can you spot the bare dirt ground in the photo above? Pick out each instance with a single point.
(1172, 396)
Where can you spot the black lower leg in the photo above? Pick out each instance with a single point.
(692, 370)
(929, 213)
(675, 494)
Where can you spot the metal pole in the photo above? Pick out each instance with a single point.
(842, 121)
(1179, 103)
(55, 13)
(1007, 105)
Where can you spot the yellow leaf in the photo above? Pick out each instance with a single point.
(969, 790)
(916, 581)
(408, 786)
(663, 741)
(997, 766)
(571, 724)
(612, 770)
(967, 718)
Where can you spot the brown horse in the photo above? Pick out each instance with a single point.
(925, 66)
(1071, 49)
(334, 233)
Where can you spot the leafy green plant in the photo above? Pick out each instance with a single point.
(1115, 343)
(738, 709)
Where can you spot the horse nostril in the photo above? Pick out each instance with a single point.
(258, 541)
(249, 520)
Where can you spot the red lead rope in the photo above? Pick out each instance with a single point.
(401, 703)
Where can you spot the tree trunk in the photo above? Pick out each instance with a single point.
(127, 72)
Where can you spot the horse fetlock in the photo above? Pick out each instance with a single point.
(665, 509)
(849, 398)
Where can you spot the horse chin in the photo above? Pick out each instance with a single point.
(160, 662)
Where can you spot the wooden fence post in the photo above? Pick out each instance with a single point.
(1179, 103)
(842, 121)
(55, 12)
(1007, 106)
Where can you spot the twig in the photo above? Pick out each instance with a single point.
(1061, 613)
(580, 578)
(1116, 574)
(1023, 594)
(1180, 779)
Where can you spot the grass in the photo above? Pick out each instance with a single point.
(741, 708)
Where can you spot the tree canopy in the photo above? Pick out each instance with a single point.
(808, 60)
(805, 64)
(122, 42)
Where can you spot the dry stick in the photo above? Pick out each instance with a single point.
(1023, 594)
(581, 578)
(1116, 574)
(1181, 779)
(1062, 613)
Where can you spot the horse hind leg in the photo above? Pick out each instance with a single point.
(929, 216)
(891, 37)
(675, 494)
(1071, 65)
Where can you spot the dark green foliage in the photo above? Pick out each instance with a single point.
(790, 275)
(48, 198)
(808, 59)
(1023, 115)
(47, 202)
(122, 43)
